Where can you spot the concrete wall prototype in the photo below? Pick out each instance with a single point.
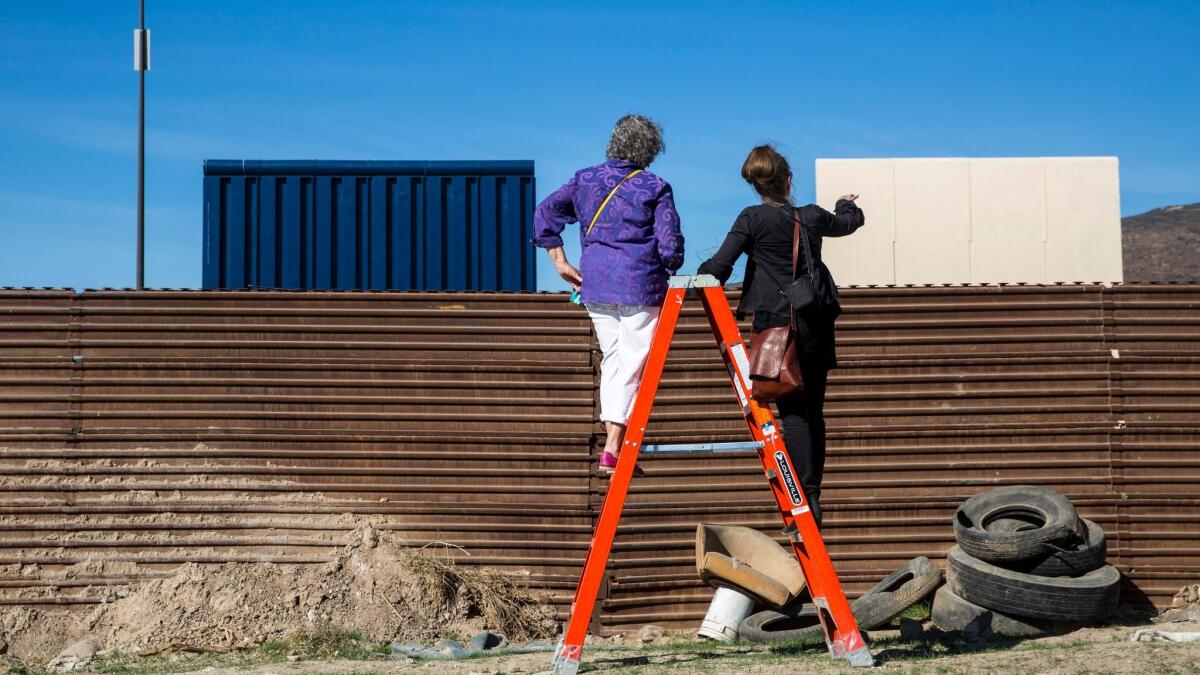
(959, 220)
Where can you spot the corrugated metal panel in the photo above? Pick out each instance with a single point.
(168, 427)
(35, 329)
(943, 392)
(369, 225)
(1155, 330)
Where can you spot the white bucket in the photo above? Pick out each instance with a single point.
(727, 610)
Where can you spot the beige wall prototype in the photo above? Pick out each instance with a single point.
(990, 220)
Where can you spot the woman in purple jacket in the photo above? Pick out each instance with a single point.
(631, 241)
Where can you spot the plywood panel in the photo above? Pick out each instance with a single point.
(867, 256)
(1008, 221)
(933, 220)
(1083, 217)
(982, 220)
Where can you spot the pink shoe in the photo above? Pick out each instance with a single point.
(608, 463)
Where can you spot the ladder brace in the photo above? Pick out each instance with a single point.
(703, 447)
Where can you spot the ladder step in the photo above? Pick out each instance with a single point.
(703, 447)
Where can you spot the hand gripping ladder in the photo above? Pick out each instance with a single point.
(837, 622)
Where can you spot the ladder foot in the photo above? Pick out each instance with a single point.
(859, 658)
(566, 659)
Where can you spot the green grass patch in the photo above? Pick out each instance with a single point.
(909, 656)
(318, 644)
(917, 612)
(326, 643)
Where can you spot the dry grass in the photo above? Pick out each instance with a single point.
(456, 590)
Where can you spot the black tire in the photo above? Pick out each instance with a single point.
(1086, 598)
(1074, 558)
(1009, 525)
(794, 622)
(911, 582)
(953, 614)
(908, 585)
(1050, 517)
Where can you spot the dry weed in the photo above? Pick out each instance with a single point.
(457, 590)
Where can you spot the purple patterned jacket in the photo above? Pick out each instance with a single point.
(636, 244)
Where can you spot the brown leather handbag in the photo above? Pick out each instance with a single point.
(774, 360)
(774, 364)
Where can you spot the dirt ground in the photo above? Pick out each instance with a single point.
(245, 618)
(1090, 650)
(373, 586)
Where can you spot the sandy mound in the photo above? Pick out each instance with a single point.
(382, 590)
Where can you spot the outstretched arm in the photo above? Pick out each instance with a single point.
(736, 243)
(845, 219)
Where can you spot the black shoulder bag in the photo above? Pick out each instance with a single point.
(813, 293)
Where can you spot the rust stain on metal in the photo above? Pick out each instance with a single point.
(166, 427)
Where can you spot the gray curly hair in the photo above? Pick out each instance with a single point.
(636, 139)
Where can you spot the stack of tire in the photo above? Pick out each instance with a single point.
(1025, 564)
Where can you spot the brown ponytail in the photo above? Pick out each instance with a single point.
(768, 172)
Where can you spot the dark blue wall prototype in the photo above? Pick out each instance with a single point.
(369, 225)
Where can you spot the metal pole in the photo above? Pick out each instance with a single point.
(141, 190)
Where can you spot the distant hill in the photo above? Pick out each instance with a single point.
(1163, 244)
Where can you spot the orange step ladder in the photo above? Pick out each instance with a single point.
(837, 622)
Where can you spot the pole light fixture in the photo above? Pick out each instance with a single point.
(141, 63)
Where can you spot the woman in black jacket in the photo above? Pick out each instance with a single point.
(764, 233)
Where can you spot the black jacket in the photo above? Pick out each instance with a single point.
(764, 233)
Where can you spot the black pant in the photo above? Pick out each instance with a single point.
(803, 418)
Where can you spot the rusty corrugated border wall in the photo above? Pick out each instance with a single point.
(167, 427)
(944, 392)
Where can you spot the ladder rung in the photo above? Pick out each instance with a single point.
(703, 447)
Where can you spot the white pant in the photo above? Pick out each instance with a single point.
(624, 333)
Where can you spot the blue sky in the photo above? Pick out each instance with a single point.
(544, 81)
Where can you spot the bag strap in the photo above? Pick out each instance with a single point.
(605, 202)
(801, 234)
(796, 238)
